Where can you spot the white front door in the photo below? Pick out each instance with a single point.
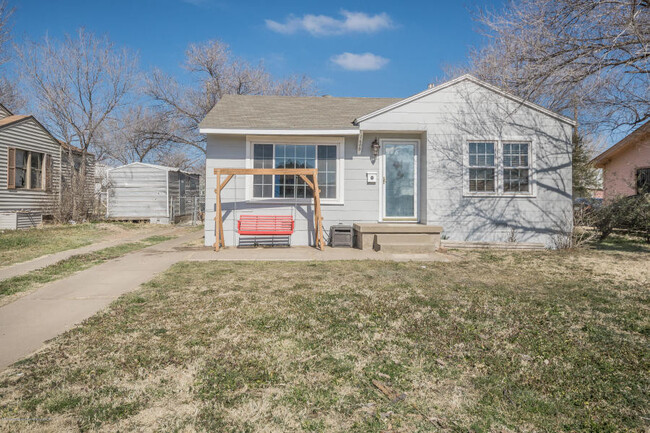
(400, 180)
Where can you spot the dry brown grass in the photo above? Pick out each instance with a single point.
(500, 341)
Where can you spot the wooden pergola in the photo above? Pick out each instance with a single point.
(220, 239)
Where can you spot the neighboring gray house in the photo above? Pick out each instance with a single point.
(481, 163)
(32, 170)
(139, 191)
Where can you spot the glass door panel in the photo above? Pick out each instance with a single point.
(399, 181)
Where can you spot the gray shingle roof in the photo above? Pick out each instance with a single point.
(290, 112)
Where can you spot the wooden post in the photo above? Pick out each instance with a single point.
(220, 237)
(317, 213)
(217, 216)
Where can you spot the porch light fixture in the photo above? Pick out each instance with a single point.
(375, 148)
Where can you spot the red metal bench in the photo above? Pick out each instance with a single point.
(265, 225)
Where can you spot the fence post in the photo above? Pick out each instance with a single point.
(194, 213)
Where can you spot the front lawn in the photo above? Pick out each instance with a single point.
(71, 265)
(499, 341)
(20, 245)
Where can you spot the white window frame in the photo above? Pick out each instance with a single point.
(498, 177)
(497, 150)
(339, 142)
(529, 167)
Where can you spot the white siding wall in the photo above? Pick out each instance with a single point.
(465, 112)
(137, 191)
(28, 135)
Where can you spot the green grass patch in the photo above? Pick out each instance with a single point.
(73, 264)
(21, 245)
(617, 242)
(497, 342)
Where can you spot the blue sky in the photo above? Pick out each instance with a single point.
(353, 48)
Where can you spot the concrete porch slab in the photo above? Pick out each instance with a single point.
(302, 254)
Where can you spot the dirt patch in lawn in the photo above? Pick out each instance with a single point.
(500, 341)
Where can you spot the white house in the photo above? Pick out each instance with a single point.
(479, 162)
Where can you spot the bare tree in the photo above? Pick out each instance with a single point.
(9, 94)
(590, 57)
(5, 30)
(215, 72)
(138, 134)
(77, 84)
(176, 158)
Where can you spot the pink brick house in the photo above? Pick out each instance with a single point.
(626, 165)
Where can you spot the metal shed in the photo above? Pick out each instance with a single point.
(140, 191)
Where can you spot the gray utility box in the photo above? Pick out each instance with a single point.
(341, 236)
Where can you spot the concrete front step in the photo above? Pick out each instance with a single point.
(405, 237)
(411, 243)
(395, 228)
(406, 248)
(376, 235)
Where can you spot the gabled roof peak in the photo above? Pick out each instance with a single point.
(466, 77)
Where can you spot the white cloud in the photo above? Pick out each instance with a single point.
(360, 62)
(323, 25)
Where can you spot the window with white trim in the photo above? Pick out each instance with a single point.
(482, 167)
(321, 156)
(496, 167)
(516, 167)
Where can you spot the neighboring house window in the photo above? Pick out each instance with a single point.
(482, 167)
(36, 171)
(22, 158)
(516, 167)
(643, 180)
(28, 170)
(321, 156)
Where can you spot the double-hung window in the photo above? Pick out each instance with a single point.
(22, 166)
(516, 167)
(28, 170)
(496, 167)
(320, 156)
(482, 167)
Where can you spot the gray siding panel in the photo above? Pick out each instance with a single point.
(137, 192)
(28, 135)
(141, 191)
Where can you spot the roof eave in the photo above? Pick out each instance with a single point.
(635, 137)
(250, 131)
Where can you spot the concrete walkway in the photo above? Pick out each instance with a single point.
(27, 323)
(50, 259)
